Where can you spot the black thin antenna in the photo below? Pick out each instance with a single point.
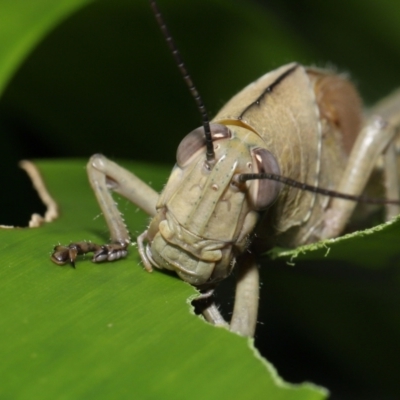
(186, 77)
(314, 189)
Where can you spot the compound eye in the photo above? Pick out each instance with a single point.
(263, 192)
(194, 142)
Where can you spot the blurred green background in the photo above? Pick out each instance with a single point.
(103, 81)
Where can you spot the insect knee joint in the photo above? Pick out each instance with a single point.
(97, 161)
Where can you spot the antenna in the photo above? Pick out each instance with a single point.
(314, 189)
(188, 80)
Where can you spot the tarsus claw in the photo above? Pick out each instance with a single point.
(108, 252)
(63, 254)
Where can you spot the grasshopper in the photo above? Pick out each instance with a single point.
(251, 178)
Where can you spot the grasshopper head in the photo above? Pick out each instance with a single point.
(205, 216)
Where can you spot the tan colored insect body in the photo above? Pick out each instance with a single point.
(301, 123)
(196, 201)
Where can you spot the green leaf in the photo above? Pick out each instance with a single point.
(112, 330)
(26, 24)
(374, 248)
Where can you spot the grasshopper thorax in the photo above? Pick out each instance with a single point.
(205, 215)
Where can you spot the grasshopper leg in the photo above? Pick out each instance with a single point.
(373, 141)
(106, 176)
(110, 252)
(244, 317)
(391, 180)
(210, 310)
(389, 108)
(379, 137)
(212, 315)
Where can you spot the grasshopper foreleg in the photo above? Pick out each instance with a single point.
(245, 310)
(210, 310)
(109, 252)
(104, 176)
(211, 314)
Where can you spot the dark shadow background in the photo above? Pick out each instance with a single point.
(103, 81)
